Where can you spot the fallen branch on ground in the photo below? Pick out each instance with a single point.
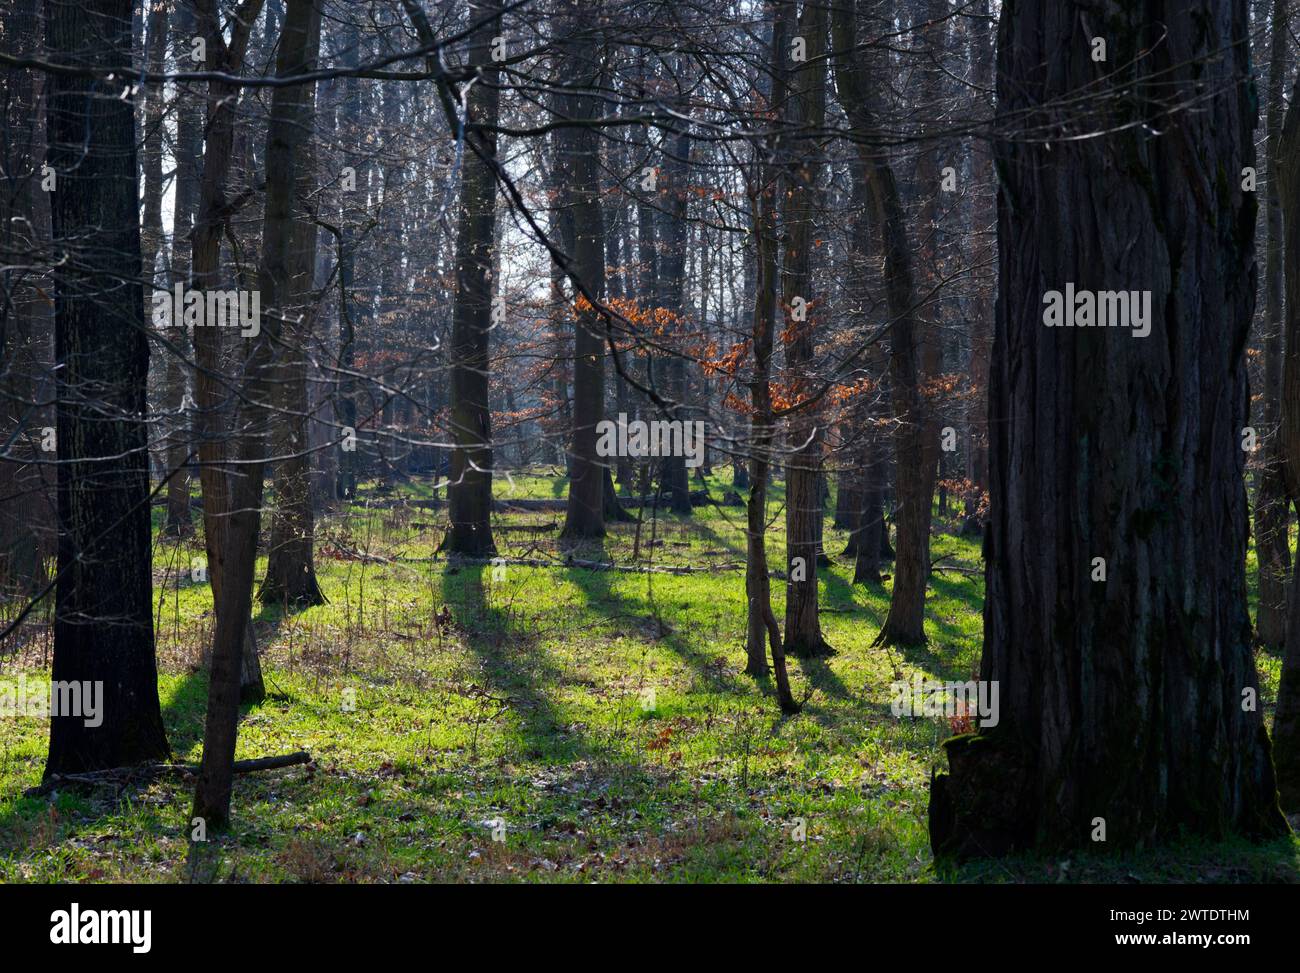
(534, 562)
(125, 775)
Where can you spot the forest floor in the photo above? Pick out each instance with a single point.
(596, 724)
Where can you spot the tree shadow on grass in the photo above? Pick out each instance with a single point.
(515, 668)
(185, 710)
(600, 595)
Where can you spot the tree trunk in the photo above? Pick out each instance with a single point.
(916, 449)
(27, 510)
(761, 629)
(469, 492)
(287, 133)
(1286, 720)
(349, 307)
(984, 217)
(1128, 701)
(579, 161)
(205, 265)
(673, 189)
(1272, 543)
(103, 629)
(805, 107)
(177, 522)
(290, 567)
(868, 412)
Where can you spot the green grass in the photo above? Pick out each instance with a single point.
(530, 708)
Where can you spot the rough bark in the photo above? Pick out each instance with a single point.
(27, 492)
(103, 630)
(469, 492)
(578, 160)
(1286, 719)
(1272, 545)
(673, 189)
(805, 107)
(1125, 700)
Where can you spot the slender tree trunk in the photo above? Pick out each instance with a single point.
(103, 629)
(1272, 544)
(290, 566)
(1286, 719)
(287, 133)
(916, 450)
(761, 625)
(1127, 687)
(345, 402)
(671, 281)
(984, 216)
(177, 521)
(205, 265)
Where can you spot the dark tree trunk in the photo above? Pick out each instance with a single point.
(579, 160)
(805, 106)
(1272, 543)
(739, 473)
(871, 525)
(673, 186)
(27, 507)
(1286, 720)
(469, 492)
(151, 156)
(290, 566)
(1124, 702)
(103, 629)
(916, 448)
(984, 216)
(869, 410)
(848, 500)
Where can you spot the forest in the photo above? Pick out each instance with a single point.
(633, 441)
